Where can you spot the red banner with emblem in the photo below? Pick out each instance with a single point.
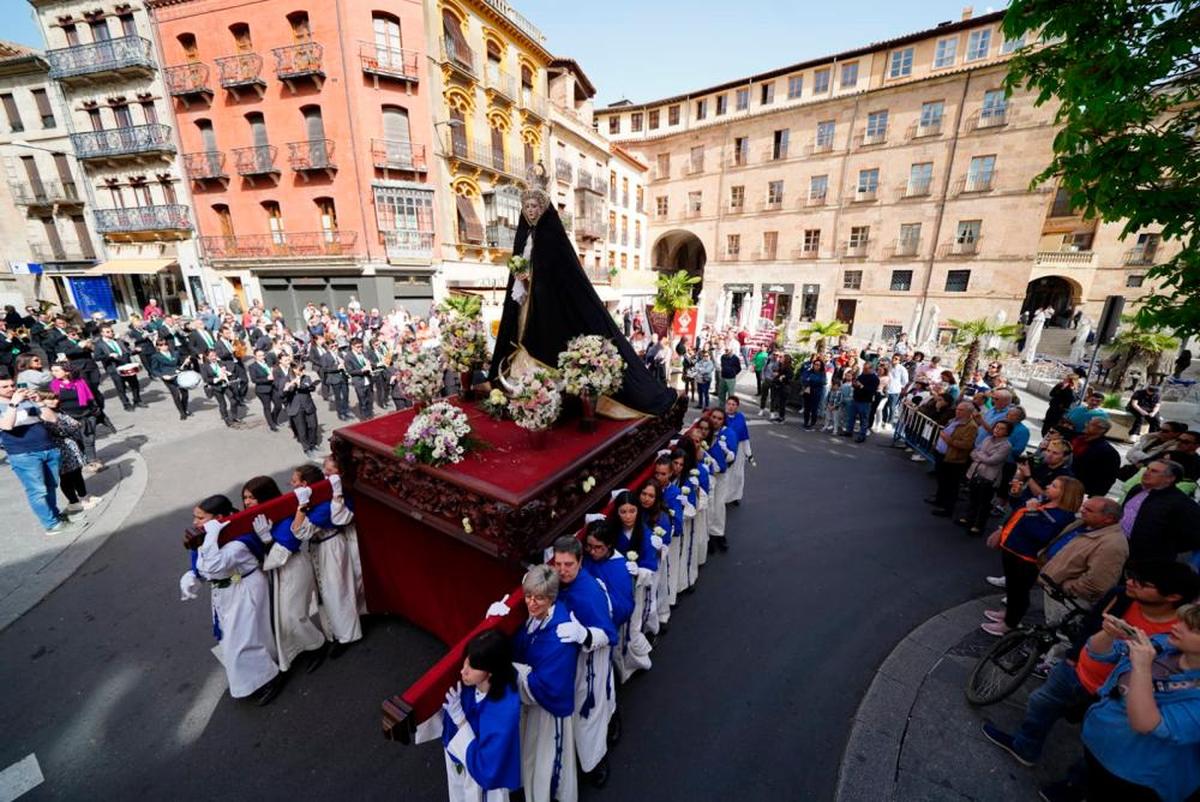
(684, 324)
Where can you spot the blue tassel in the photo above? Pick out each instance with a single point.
(558, 747)
(216, 626)
(590, 701)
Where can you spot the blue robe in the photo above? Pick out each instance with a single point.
(282, 532)
(737, 423)
(552, 664)
(674, 503)
(494, 757)
(587, 600)
(732, 441)
(647, 556)
(718, 456)
(617, 583)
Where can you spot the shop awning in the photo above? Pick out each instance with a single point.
(133, 267)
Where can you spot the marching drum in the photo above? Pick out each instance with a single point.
(188, 379)
(129, 369)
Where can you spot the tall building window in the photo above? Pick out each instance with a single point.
(635, 121)
(779, 144)
(663, 165)
(821, 81)
(978, 44)
(1012, 45)
(653, 119)
(701, 109)
(931, 117)
(859, 236)
(810, 296)
(901, 281)
(696, 158)
(852, 280)
(849, 75)
(901, 63)
(722, 104)
(741, 150)
(10, 110)
(920, 177)
(673, 115)
(733, 245)
(946, 52)
(868, 182)
(404, 209)
(818, 187)
(967, 238)
(695, 202)
(980, 172)
(995, 105)
(795, 86)
(614, 124)
(825, 131)
(767, 96)
(1062, 204)
(910, 239)
(660, 206)
(957, 280)
(743, 99)
(877, 123)
(737, 198)
(775, 193)
(812, 240)
(43, 106)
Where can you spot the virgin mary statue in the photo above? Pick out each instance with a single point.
(555, 303)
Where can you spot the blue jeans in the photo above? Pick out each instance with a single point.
(1060, 693)
(889, 406)
(38, 472)
(703, 386)
(860, 411)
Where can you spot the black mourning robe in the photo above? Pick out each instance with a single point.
(562, 305)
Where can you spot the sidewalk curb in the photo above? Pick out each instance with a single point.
(870, 761)
(119, 503)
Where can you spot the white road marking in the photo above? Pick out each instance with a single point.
(20, 778)
(196, 719)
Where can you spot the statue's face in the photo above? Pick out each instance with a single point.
(533, 207)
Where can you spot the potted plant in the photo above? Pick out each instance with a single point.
(821, 332)
(591, 367)
(974, 333)
(674, 292)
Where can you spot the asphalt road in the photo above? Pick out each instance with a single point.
(110, 684)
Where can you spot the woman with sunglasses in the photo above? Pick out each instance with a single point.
(603, 560)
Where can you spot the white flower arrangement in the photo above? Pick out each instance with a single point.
(658, 530)
(419, 374)
(519, 267)
(631, 556)
(588, 484)
(591, 363)
(439, 435)
(466, 523)
(536, 401)
(464, 342)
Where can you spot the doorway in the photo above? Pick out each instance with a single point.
(1055, 292)
(846, 309)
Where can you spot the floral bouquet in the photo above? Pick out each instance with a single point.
(464, 342)
(419, 374)
(519, 267)
(438, 435)
(591, 364)
(536, 401)
(496, 405)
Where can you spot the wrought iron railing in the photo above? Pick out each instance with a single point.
(313, 154)
(563, 171)
(105, 56)
(533, 102)
(977, 182)
(45, 194)
(298, 61)
(170, 217)
(123, 141)
(1140, 256)
(391, 62)
(917, 187)
(187, 79)
(391, 154)
(408, 244)
(497, 79)
(482, 154)
(256, 160)
(244, 69)
(304, 245)
(205, 165)
(460, 57)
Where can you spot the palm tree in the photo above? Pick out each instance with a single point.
(674, 293)
(822, 332)
(974, 332)
(1137, 343)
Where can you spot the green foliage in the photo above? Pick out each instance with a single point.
(972, 333)
(675, 291)
(1111, 401)
(1126, 78)
(463, 304)
(1137, 342)
(821, 332)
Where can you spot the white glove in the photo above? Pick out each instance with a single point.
(262, 528)
(214, 527)
(657, 542)
(631, 567)
(499, 608)
(453, 705)
(189, 586)
(303, 495)
(335, 484)
(571, 631)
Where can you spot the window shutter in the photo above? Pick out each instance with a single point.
(469, 227)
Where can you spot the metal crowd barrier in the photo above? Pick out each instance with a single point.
(917, 431)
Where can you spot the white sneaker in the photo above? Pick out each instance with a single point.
(997, 581)
(74, 509)
(91, 501)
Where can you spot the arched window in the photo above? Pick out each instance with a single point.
(493, 53)
(387, 31)
(207, 135)
(224, 219)
(456, 42)
(301, 31)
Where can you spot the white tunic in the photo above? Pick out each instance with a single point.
(663, 582)
(737, 473)
(716, 504)
(243, 612)
(546, 741)
(594, 669)
(335, 575)
(633, 650)
(294, 608)
(350, 531)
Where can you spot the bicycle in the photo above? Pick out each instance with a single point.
(1010, 661)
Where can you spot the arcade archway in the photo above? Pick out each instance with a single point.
(1057, 292)
(680, 250)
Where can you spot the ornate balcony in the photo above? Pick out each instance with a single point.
(533, 104)
(305, 245)
(189, 83)
(104, 61)
(1065, 259)
(388, 154)
(481, 155)
(298, 62)
(128, 223)
(500, 234)
(205, 166)
(989, 118)
(499, 84)
(312, 156)
(389, 63)
(257, 161)
(406, 245)
(138, 142)
(589, 228)
(918, 130)
(241, 72)
(46, 194)
(460, 60)
(563, 171)
(917, 188)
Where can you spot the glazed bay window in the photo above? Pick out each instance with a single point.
(852, 280)
(920, 180)
(978, 44)
(946, 52)
(868, 185)
(931, 118)
(877, 124)
(795, 86)
(405, 220)
(957, 280)
(821, 81)
(901, 63)
(901, 281)
(825, 131)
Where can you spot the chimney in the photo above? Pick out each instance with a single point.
(967, 12)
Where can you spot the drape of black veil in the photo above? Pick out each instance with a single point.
(564, 304)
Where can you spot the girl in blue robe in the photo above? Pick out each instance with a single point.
(481, 724)
(631, 652)
(658, 524)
